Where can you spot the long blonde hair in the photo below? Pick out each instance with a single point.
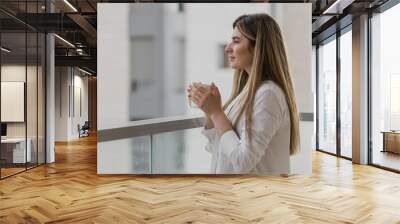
(269, 63)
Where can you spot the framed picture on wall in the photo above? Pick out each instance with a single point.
(12, 101)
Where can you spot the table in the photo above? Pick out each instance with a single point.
(13, 150)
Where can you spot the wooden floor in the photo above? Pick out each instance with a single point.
(387, 159)
(70, 191)
(5, 172)
(9, 171)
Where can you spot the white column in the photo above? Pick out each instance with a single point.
(50, 99)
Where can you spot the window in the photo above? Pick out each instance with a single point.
(394, 102)
(385, 89)
(346, 94)
(327, 96)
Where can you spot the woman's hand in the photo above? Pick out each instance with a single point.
(207, 99)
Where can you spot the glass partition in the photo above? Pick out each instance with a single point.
(31, 100)
(15, 151)
(22, 88)
(180, 152)
(174, 152)
(129, 155)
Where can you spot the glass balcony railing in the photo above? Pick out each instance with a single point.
(156, 146)
(180, 152)
(171, 145)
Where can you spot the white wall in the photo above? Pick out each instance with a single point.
(67, 80)
(79, 117)
(61, 103)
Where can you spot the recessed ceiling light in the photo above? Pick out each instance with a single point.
(337, 7)
(5, 50)
(65, 41)
(84, 71)
(70, 5)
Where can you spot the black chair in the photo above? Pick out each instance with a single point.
(84, 130)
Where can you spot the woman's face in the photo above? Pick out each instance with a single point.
(239, 51)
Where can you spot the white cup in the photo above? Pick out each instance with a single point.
(193, 104)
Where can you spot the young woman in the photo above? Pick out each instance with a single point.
(257, 129)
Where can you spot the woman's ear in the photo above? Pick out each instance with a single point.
(252, 49)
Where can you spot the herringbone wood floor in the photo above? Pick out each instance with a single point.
(70, 191)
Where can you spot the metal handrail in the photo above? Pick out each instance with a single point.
(159, 125)
(150, 127)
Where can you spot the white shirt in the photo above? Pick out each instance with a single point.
(269, 154)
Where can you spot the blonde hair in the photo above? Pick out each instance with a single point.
(269, 63)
